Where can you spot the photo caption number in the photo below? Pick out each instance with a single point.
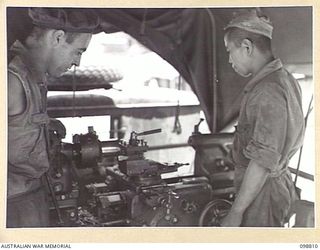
(308, 246)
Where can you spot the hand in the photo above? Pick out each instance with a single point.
(233, 219)
(58, 127)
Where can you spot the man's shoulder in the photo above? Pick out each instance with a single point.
(17, 67)
(272, 83)
(269, 90)
(278, 81)
(16, 94)
(14, 81)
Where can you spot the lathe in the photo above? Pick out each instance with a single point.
(110, 183)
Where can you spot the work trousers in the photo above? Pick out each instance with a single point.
(28, 210)
(273, 206)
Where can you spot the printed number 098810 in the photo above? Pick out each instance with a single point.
(307, 246)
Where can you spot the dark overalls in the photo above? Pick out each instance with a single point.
(27, 148)
(270, 130)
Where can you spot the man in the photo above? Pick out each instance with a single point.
(56, 43)
(270, 127)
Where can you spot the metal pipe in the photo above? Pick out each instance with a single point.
(167, 146)
(214, 80)
(302, 174)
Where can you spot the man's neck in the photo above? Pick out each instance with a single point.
(261, 61)
(35, 58)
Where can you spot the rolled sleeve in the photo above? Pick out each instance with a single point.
(268, 115)
(262, 155)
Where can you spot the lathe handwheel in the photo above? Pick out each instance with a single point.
(213, 212)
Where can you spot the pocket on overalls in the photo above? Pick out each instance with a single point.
(27, 154)
(38, 156)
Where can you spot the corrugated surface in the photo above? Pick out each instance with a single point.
(85, 78)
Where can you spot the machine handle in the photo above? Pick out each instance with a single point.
(149, 132)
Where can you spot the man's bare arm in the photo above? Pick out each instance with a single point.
(253, 181)
(16, 96)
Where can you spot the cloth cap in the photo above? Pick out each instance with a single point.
(251, 21)
(67, 19)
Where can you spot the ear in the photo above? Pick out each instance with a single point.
(58, 37)
(247, 45)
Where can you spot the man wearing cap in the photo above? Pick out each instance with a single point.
(55, 44)
(270, 127)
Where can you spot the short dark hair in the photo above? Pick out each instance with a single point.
(38, 32)
(71, 36)
(237, 35)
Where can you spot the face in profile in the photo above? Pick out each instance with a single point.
(67, 54)
(238, 57)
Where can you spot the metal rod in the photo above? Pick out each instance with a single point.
(301, 148)
(302, 174)
(149, 132)
(167, 146)
(214, 80)
(162, 111)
